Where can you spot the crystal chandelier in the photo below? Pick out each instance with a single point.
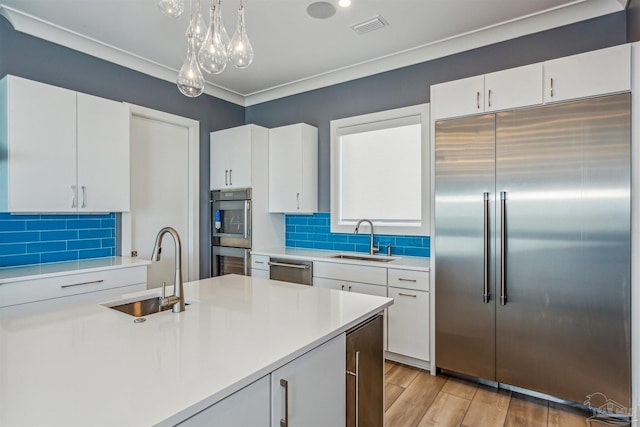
(211, 49)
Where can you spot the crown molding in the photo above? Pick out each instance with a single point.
(576, 11)
(36, 27)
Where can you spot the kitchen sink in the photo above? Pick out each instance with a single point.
(141, 308)
(377, 258)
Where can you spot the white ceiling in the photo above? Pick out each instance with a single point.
(293, 51)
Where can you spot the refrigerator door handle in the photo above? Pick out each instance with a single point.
(503, 248)
(485, 295)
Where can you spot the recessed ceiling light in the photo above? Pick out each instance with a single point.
(344, 3)
(321, 10)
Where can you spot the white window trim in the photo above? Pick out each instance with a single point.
(374, 121)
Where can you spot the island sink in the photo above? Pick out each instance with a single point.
(142, 308)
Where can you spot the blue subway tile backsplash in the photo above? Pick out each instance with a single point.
(36, 239)
(314, 232)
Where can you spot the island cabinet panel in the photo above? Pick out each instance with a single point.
(246, 407)
(310, 390)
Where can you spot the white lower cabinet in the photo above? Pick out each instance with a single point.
(408, 323)
(247, 407)
(406, 328)
(260, 266)
(310, 390)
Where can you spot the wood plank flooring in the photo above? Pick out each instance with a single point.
(415, 398)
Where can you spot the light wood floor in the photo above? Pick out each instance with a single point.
(415, 398)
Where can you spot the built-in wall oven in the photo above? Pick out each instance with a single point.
(230, 231)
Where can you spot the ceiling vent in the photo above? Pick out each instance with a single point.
(369, 25)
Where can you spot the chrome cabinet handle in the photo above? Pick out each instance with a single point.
(84, 196)
(407, 295)
(74, 192)
(401, 279)
(503, 248)
(226, 177)
(259, 262)
(349, 288)
(478, 100)
(356, 374)
(342, 287)
(284, 264)
(230, 177)
(551, 86)
(298, 201)
(489, 98)
(485, 292)
(82, 283)
(284, 422)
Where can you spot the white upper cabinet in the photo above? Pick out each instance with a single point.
(588, 74)
(513, 88)
(599, 72)
(66, 152)
(293, 169)
(458, 98)
(103, 155)
(231, 157)
(502, 90)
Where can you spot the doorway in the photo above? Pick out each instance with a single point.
(164, 192)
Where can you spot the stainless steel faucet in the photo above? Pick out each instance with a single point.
(372, 250)
(177, 299)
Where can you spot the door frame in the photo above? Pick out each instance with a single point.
(193, 209)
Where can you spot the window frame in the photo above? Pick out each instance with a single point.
(416, 114)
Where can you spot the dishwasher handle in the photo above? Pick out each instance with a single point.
(284, 264)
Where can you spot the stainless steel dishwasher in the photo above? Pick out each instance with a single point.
(287, 270)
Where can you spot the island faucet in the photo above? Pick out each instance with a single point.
(177, 299)
(372, 250)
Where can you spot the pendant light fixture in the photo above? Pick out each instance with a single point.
(209, 48)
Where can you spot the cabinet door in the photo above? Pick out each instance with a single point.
(41, 147)
(458, 98)
(321, 282)
(220, 159)
(314, 384)
(246, 407)
(513, 88)
(103, 155)
(365, 288)
(285, 169)
(240, 168)
(408, 323)
(231, 158)
(593, 73)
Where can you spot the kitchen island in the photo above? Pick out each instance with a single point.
(92, 365)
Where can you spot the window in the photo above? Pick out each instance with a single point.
(379, 171)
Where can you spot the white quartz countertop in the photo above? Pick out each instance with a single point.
(399, 261)
(89, 365)
(41, 271)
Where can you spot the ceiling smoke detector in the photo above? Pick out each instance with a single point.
(369, 25)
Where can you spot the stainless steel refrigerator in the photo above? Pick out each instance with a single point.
(532, 248)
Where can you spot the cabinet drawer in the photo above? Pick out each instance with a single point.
(259, 262)
(63, 286)
(409, 279)
(351, 273)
